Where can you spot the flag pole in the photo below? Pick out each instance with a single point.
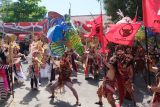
(70, 9)
(101, 26)
(148, 72)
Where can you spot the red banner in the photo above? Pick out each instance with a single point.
(123, 33)
(151, 13)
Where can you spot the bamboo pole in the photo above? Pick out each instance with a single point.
(148, 72)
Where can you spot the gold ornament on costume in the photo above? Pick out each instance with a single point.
(15, 45)
(10, 38)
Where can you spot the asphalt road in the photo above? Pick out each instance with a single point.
(25, 97)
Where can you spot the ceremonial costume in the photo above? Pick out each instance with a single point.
(125, 78)
(19, 74)
(91, 65)
(106, 88)
(156, 92)
(64, 79)
(34, 74)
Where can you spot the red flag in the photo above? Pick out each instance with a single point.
(123, 33)
(135, 19)
(104, 43)
(97, 30)
(151, 13)
(96, 27)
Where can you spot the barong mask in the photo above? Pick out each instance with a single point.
(120, 55)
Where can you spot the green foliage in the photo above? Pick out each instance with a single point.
(23, 11)
(128, 7)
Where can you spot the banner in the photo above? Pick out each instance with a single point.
(151, 13)
(123, 33)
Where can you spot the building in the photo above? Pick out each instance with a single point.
(84, 18)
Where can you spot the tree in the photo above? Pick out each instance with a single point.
(128, 7)
(23, 11)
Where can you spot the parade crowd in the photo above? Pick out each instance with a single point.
(118, 68)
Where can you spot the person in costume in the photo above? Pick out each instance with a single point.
(55, 68)
(91, 64)
(124, 75)
(17, 67)
(46, 66)
(107, 88)
(5, 85)
(155, 102)
(73, 57)
(3, 57)
(37, 45)
(34, 71)
(64, 79)
(140, 62)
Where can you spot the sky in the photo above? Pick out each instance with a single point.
(78, 7)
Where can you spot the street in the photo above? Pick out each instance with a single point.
(25, 97)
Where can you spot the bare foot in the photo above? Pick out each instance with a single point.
(78, 103)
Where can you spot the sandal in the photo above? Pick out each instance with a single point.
(99, 103)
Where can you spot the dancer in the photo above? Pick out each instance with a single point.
(64, 79)
(55, 62)
(107, 88)
(125, 75)
(34, 70)
(74, 56)
(17, 67)
(91, 62)
(156, 92)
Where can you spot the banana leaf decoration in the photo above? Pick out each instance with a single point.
(57, 48)
(73, 41)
